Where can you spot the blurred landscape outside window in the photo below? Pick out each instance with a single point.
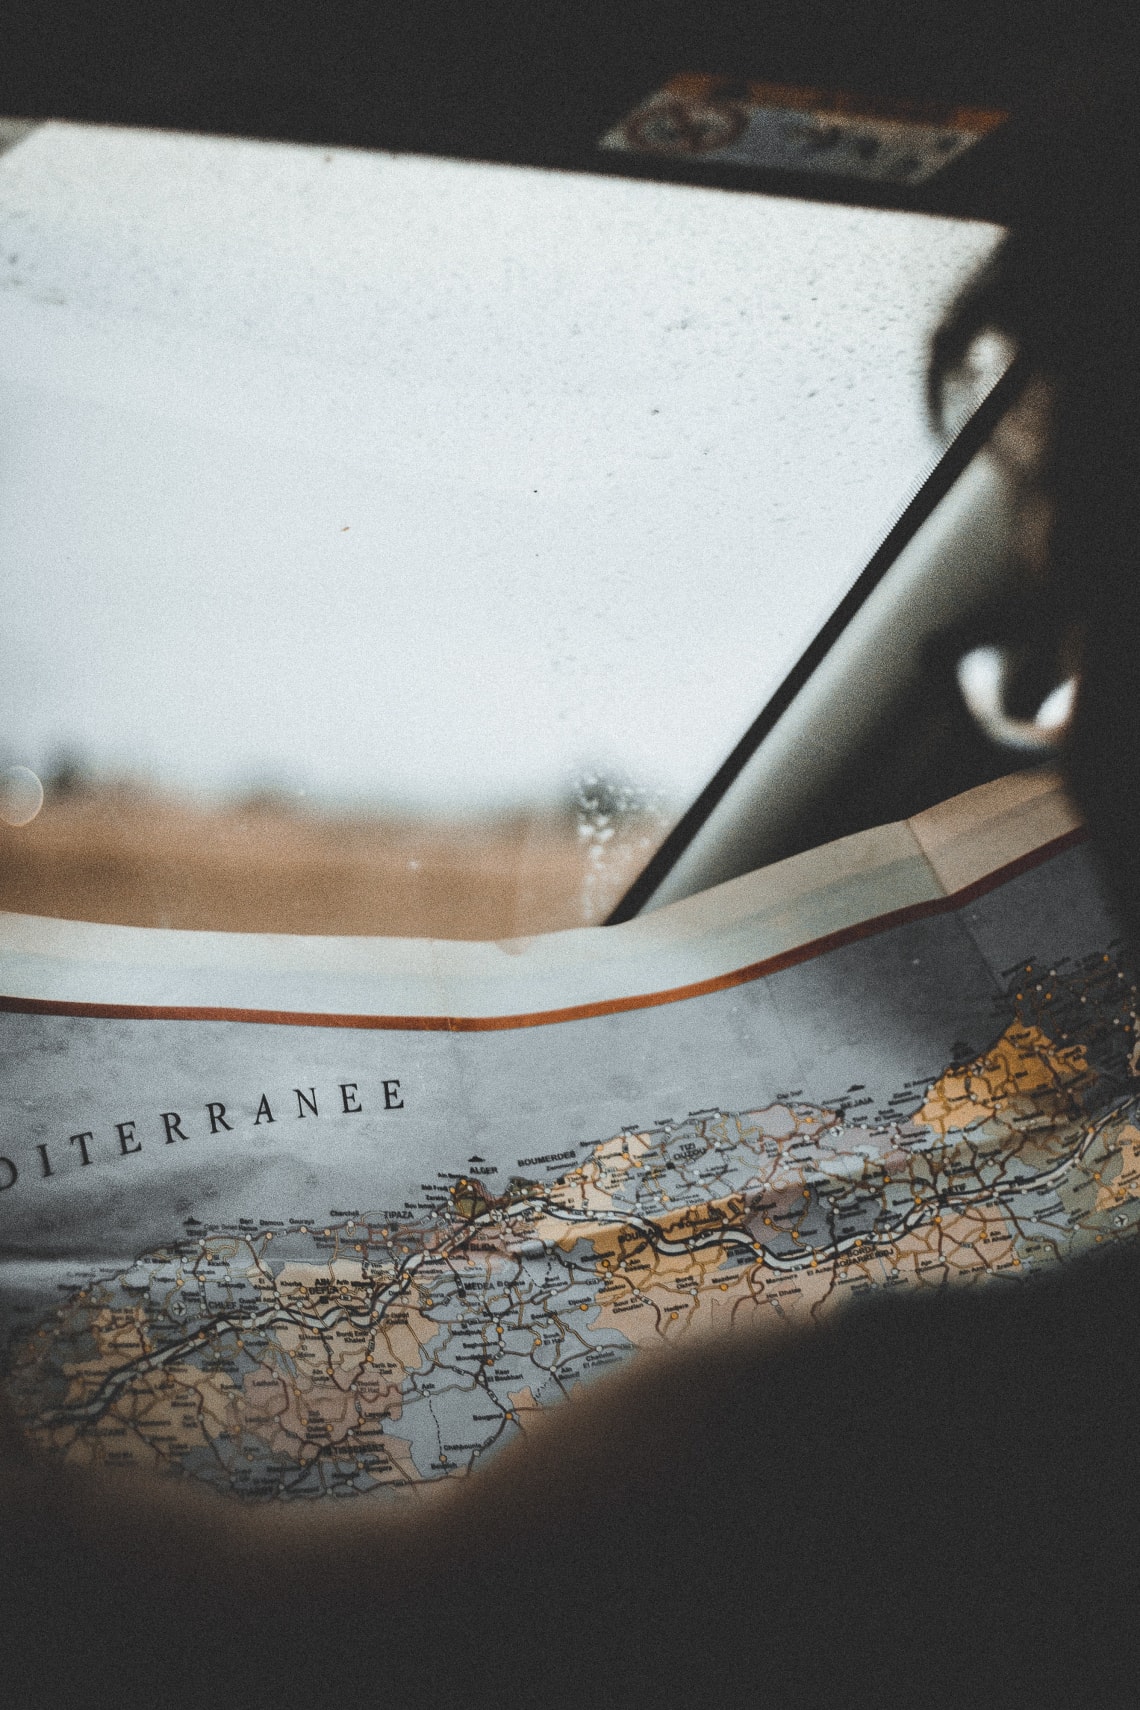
(397, 545)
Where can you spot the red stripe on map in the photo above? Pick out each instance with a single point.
(575, 1012)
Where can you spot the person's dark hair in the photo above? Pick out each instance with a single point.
(1063, 290)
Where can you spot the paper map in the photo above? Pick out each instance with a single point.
(303, 1217)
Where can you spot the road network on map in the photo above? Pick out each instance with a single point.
(381, 1352)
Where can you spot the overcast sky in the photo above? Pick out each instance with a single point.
(390, 478)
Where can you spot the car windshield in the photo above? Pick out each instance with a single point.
(397, 544)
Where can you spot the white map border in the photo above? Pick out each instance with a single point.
(721, 936)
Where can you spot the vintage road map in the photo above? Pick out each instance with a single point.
(301, 1218)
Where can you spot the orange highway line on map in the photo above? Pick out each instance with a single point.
(575, 1012)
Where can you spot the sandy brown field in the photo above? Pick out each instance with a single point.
(140, 859)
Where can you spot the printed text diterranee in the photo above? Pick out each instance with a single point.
(124, 1139)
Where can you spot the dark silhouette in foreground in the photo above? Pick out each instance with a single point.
(929, 1503)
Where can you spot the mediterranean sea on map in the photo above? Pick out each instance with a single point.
(296, 1261)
